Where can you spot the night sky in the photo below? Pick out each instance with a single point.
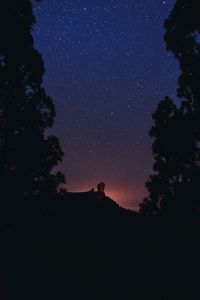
(106, 70)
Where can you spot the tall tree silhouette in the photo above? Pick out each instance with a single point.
(27, 154)
(175, 184)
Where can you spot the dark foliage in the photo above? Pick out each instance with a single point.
(174, 186)
(27, 155)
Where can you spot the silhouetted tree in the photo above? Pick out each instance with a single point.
(27, 154)
(182, 39)
(176, 131)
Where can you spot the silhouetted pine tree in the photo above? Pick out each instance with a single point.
(27, 154)
(174, 187)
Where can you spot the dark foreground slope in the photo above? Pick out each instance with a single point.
(82, 246)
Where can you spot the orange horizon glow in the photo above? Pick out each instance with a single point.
(124, 197)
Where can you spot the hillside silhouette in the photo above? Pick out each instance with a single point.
(79, 246)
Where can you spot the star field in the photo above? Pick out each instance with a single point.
(106, 70)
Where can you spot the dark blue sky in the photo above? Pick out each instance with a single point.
(106, 70)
